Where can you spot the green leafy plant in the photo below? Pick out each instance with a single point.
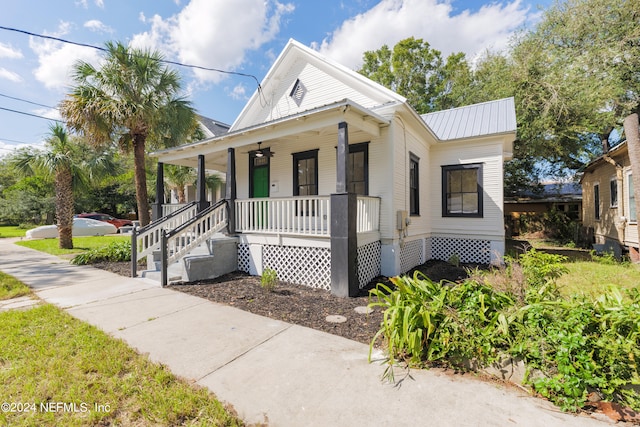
(444, 322)
(454, 260)
(570, 346)
(113, 252)
(269, 279)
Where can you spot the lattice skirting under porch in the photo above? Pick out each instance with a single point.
(244, 259)
(300, 265)
(311, 266)
(411, 254)
(368, 263)
(469, 250)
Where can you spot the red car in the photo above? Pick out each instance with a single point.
(106, 218)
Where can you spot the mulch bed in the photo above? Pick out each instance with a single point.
(297, 304)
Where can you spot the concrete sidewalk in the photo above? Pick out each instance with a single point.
(271, 371)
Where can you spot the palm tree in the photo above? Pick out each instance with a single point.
(131, 100)
(58, 159)
(213, 182)
(179, 176)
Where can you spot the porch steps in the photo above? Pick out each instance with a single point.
(215, 257)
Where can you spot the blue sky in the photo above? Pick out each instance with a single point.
(239, 35)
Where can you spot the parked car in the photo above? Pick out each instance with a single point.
(81, 227)
(106, 218)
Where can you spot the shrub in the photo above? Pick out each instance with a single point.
(113, 252)
(269, 279)
(575, 345)
(446, 322)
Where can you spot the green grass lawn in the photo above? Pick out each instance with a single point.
(11, 231)
(49, 359)
(10, 287)
(80, 244)
(591, 278)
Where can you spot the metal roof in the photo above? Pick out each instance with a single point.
(487, 118)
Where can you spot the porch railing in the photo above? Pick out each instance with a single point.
(145, 240)
(307, 215)
(168, 209)
(368, 214)
(181, 240)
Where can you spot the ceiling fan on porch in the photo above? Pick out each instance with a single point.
(261, 153)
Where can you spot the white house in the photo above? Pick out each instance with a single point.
(333, 179)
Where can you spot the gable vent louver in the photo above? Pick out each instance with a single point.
(298, 92)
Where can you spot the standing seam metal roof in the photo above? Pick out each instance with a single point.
(487, 118)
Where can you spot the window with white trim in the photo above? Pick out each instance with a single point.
(613, 192)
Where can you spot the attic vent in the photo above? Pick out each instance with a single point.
(298, 92)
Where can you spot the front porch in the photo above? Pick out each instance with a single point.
(295, 216)
(292, 235)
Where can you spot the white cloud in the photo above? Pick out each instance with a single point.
(7, 51)
(56, 59)
(98, 26)
(10, 75)
(239, 92)
(85, 4)
(215, 33)
(434, 21)
(10, 148)
(50, 113)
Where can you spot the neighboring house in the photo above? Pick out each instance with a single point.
(565, 197)
(333, 179)
(608, 201)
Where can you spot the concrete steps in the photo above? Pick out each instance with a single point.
(214, 258)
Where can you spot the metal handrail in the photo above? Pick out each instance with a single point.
(146, 239)
(178, 242)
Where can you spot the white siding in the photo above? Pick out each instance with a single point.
(281, 164)
(321, 89)
(488, 152)
(405, 142)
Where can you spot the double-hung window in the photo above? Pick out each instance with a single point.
(305, 173)
(414, 185)
(462, 191)
(359, 169)
(613, 191)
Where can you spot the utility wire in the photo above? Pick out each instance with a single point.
(28, 102)
(105, 50)
(13, 140)
(30, 114)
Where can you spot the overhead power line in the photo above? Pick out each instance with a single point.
(30, 114)
(13, 140)
(28, 102)
(166, 61)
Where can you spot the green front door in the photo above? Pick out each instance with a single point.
(260, 181)
(260, 188)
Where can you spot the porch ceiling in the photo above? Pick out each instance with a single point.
(320, 121)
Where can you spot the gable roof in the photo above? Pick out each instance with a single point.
(487, 118)
(323, 81)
